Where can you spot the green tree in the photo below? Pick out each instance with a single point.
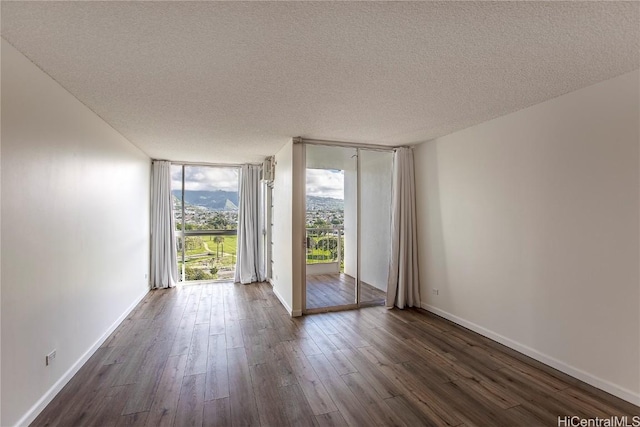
(196, 274)
(320, 223)
(329, 244)
(219, 240)
(186, 226)
(193, 243)
(218, 222)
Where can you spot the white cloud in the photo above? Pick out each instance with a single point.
(325, 183)
(320, 182)
(205, 178)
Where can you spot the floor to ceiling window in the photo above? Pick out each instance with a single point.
(206, 219)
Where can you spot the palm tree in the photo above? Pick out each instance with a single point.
(219, 241)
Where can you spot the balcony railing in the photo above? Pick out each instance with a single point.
(325, 248)
(208, 254)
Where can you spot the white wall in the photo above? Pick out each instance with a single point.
(351, 221)
(284, 262)
(75, 233)
(529, 228)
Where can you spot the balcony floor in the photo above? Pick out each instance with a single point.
(327, 290)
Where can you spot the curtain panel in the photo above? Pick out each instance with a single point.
(164, 266)
(250, 234)
(403, 287)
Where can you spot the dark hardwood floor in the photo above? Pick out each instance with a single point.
(328, 290)
(229, 355)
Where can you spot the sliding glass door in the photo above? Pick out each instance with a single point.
(331, 181)
(206, 219)
(348, 205)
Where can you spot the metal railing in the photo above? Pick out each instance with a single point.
(325, 245)
(206, 254)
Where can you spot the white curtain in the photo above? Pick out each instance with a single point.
(249, 232)
(164, 267)
(403, 288)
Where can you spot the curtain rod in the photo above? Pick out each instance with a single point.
(218, 165)
(299, 140)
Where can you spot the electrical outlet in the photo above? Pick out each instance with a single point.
(435, 291)
(50, 358)
(146, 275)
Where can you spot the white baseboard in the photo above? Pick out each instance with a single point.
(42, 403)
(588, 378)
(292, 313)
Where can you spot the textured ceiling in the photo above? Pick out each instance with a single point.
(231, 82)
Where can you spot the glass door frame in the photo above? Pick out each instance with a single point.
(357, 303)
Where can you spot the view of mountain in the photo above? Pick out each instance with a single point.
(228, 200)
(315, 203)
(214, 200)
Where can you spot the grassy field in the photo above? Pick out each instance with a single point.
(201, 262)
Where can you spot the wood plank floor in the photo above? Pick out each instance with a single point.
(328, 290)
(229, 355)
